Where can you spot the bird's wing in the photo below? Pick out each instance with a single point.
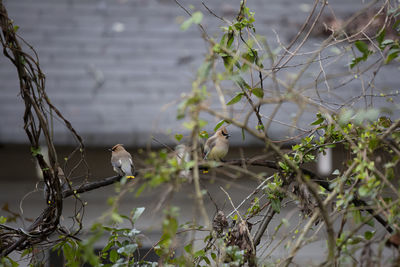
(127, 166)
(209, 145)
(116, 163)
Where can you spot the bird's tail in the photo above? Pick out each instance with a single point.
(127, 168)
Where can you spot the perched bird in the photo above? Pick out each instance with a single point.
(216, 147)
(121, 161)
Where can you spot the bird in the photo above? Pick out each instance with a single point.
(217, 146)
(121, 160)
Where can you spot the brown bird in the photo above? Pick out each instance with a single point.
(121, 161)
(217, 146)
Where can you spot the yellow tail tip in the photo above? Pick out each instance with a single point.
(205, 171)
(130, 177)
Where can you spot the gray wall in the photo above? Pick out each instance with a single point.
(116, 68)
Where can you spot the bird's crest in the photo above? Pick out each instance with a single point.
(116, 147)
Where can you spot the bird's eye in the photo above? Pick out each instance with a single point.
(224, 134)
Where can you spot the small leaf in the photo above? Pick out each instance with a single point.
(392, 54)
(3, 219)
(387, 42)
(26, 252)
(276, 204)
(230, 40)
(178, 137)
(128, 249)
(197, 17)
(199, 253)
(113, 256)
(239, 81)
(368, 235)
(258, 92)
(188, 248)
(356, 60)
(223, 40)
(362, 47)
(204, 70)
(318, 121)
(380, 38)
(235, 99)
(219, 124)
(213, 256)
(137, 213)
(363, 191)
(186, 24)
(260, 127)
(116, 217)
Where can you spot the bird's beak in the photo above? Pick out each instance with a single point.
(109, 149)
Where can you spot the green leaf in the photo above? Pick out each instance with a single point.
(3, 219)
(113, 256)
(230, 40)
(213, 256)
(283, 165)
(228, 63)
(392, 54)
(361, 46)
(276, 204)
(243, 135)
(235, 99)
(219, 124)
(318, 121)
(380, 38)
(197, 17)
(363, 191)
(137, 212)
(188, 248)
(239, 81)
(223, 40)
(204, 70)
(128, 249)
(357, 216)
(26, 252)
(16, 28)
(258, 92)
(186, 24)
(199, 253)
(368, 235)
(178, 137)
(116, 217)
